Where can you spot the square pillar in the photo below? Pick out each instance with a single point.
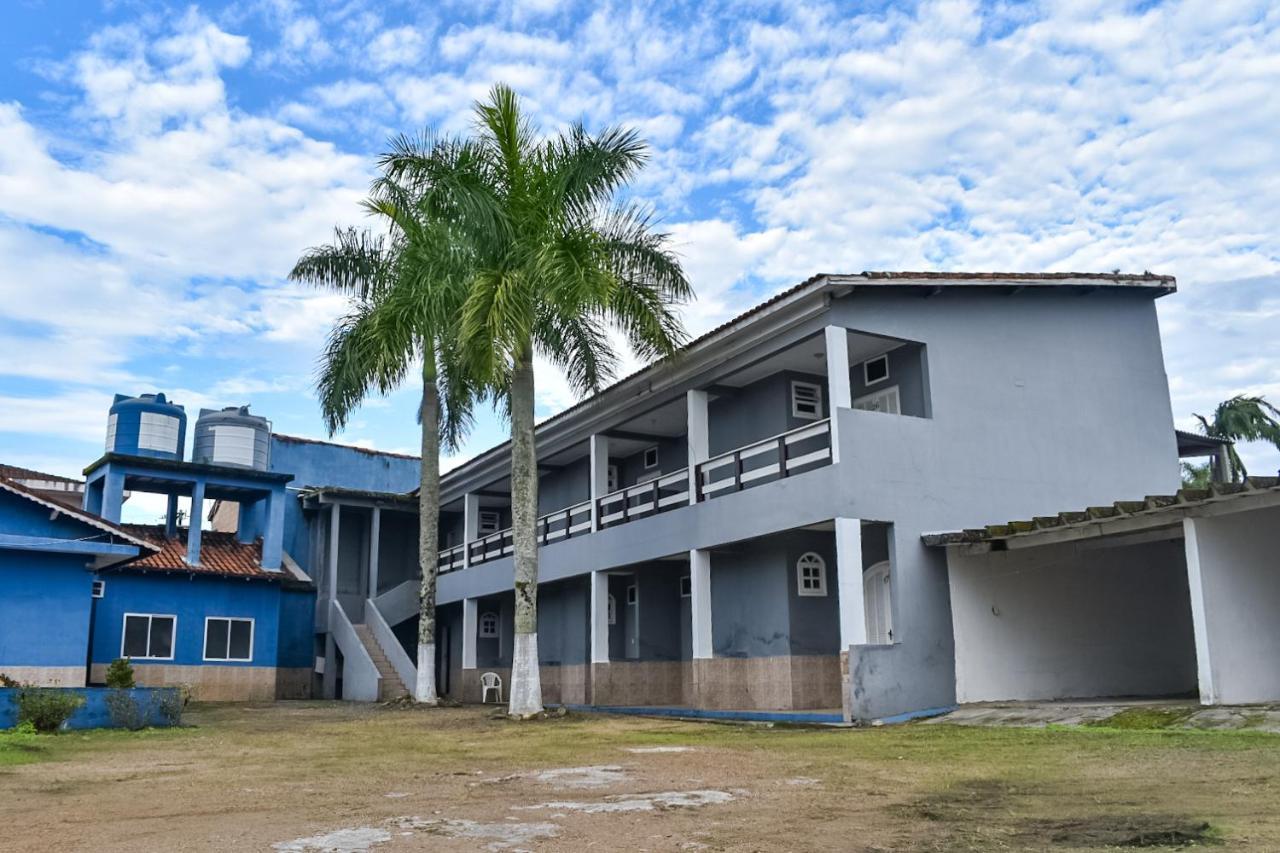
(113, 495)
(470, 525)
(1199, 614)
(599, 475)
(335, 523)
(853, 614)
(193, 523)
(171, 518)
(470, 610)
(839, 392)
(330, 677)
(699, 438)
(375, 537)
(273, 531)
(700, 587)
(599, 617)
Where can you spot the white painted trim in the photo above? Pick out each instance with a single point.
(228, 619)
(686, 580)
(98, 589)
(496, 634)
(866, 374)
(890, 393)
(173, 648)
(816, 414)
(644, 458)
(811, 559)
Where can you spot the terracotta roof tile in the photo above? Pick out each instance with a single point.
(220, 554)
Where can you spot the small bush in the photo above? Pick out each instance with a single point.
(130, 711)
(47, 708)
(6, 681)
(120, 674)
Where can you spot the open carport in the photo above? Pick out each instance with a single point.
(1167, 596)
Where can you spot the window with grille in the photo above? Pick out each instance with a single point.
(490, 521)
(806, 401)
(811, 574)
(489, 625)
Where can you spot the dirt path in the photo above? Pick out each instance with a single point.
(320, 776)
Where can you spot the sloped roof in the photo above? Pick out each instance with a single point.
(79, 515)
(1153, 507)
(220, 554)
(17, 472)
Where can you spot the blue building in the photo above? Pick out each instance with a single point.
(49, 554)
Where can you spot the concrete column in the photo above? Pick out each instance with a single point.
(700, 586)
(375, 535)
(599, 617)
(330, 677)
(193, 523)
(699, 438)
(1199, 614)
(171, 517)
(599, 475)
(853, 613)
(273, 530)
(112, 495)
(335, 523)
(839, 392)
(470, 610)
(470, 525)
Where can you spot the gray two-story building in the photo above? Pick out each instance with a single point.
(739, 526)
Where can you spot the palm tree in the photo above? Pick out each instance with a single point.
(1242, 418)
(555, 262)
(405, 303)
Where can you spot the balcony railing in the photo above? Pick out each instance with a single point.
(659, 494)
(765, 461)
(761, 462)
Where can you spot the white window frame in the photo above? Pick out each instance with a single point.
(173, 641)
(796, 403)
(612, 479)
(613, 610)
(228, 619)
(686, 586)
(648, 466)
(811, 559)
(633, 594)
(866, 374)
(890, 393)
(482, 528)
(480, 629)
(98, 589)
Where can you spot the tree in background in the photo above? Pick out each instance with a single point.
(1242, 418)
(554, 261)
(405, 303)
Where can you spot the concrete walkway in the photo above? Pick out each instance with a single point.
(1163, 713)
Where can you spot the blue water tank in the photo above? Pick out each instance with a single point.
(232, 437)
(147, 425)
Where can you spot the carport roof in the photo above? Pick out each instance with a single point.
(1154, 511)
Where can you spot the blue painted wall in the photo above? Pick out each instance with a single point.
(191, 599)
(44, 609)
(321, 464)
(94, 713)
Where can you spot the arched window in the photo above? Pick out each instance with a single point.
(613, 610)
(811, 574)
(488, 625)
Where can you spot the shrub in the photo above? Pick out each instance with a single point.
(47, 708)
(130, 711)
(120, 674)
(6, 681)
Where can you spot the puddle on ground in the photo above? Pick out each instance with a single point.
(356, 839)
(651, 749)
(640, 802)
(501, 836)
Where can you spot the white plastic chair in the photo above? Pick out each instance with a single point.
(490, 681)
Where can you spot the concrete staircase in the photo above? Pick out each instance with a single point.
(389, 685)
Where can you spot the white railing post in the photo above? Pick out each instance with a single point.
(699, 438)
(839, 391)
(853, 614)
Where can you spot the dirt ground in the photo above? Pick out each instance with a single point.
(318, 776)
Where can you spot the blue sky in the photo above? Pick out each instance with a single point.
(162, 166)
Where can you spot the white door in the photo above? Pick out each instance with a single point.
(878, 604)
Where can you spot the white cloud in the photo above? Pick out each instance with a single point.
(398, 46)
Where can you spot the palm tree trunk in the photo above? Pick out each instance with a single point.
(526, 685)
(428, 534)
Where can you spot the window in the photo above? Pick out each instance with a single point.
(806, 401)
(651, 458)
(611, 484)
(228, 639)
(811, 574)
(112, 422)
(633, 594)
(686, 587)
(875, 370)
(613, 610)
(99, 589)
(886, 401)
(148, 637)
(488, 625)
(489, 521)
